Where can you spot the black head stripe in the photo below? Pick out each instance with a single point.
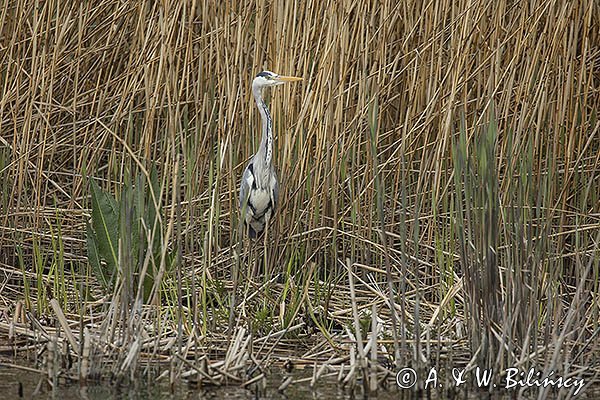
(264, 74)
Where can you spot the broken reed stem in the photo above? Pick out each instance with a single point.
(362, 359)
(65, 325)
(84, 370)
(373, 383)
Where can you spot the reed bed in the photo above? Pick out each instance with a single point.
(440, 166)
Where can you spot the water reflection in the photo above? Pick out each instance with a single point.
(15, 383)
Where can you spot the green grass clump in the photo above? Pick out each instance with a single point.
(124, 237)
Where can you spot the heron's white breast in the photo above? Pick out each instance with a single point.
(260, 199)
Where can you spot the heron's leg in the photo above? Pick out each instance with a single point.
(267, 271)
(255, 260)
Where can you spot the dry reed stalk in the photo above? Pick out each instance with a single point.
(286, 382)
(373, 383)
(65, 325)
(362, 357)
(84, 369)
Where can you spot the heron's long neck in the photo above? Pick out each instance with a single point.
(265, 151)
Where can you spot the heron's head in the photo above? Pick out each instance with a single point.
(268, 78)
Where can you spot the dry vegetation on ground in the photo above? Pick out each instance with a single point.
(446, 153)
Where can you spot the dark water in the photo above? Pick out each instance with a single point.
(15, 383)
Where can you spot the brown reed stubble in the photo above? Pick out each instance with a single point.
(112, 87)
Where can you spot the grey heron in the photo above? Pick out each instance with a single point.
(259, 189)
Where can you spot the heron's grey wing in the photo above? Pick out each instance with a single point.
(245, 185)
(275, 193)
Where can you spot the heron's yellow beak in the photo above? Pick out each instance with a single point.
(288, 78)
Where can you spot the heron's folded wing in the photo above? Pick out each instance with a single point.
(245, 185)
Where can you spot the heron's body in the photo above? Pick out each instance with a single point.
(259, 196)
(259, 189)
